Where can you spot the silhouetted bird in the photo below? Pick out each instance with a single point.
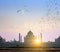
(18, 11)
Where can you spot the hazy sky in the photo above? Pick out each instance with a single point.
(35, 15)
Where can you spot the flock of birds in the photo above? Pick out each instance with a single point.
(50, 14)
(53, 13)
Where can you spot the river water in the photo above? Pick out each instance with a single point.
(29, 49)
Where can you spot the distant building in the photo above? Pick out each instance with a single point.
(29, 39)
(57, 40)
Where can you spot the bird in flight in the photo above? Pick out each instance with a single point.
(18, 11)
(23, 11)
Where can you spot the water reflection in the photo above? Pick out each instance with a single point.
(30, 50)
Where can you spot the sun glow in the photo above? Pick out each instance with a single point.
(37, 41)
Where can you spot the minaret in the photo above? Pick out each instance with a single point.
(20, 38)
(41, 37)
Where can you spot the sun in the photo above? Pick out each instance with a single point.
(37, 41)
